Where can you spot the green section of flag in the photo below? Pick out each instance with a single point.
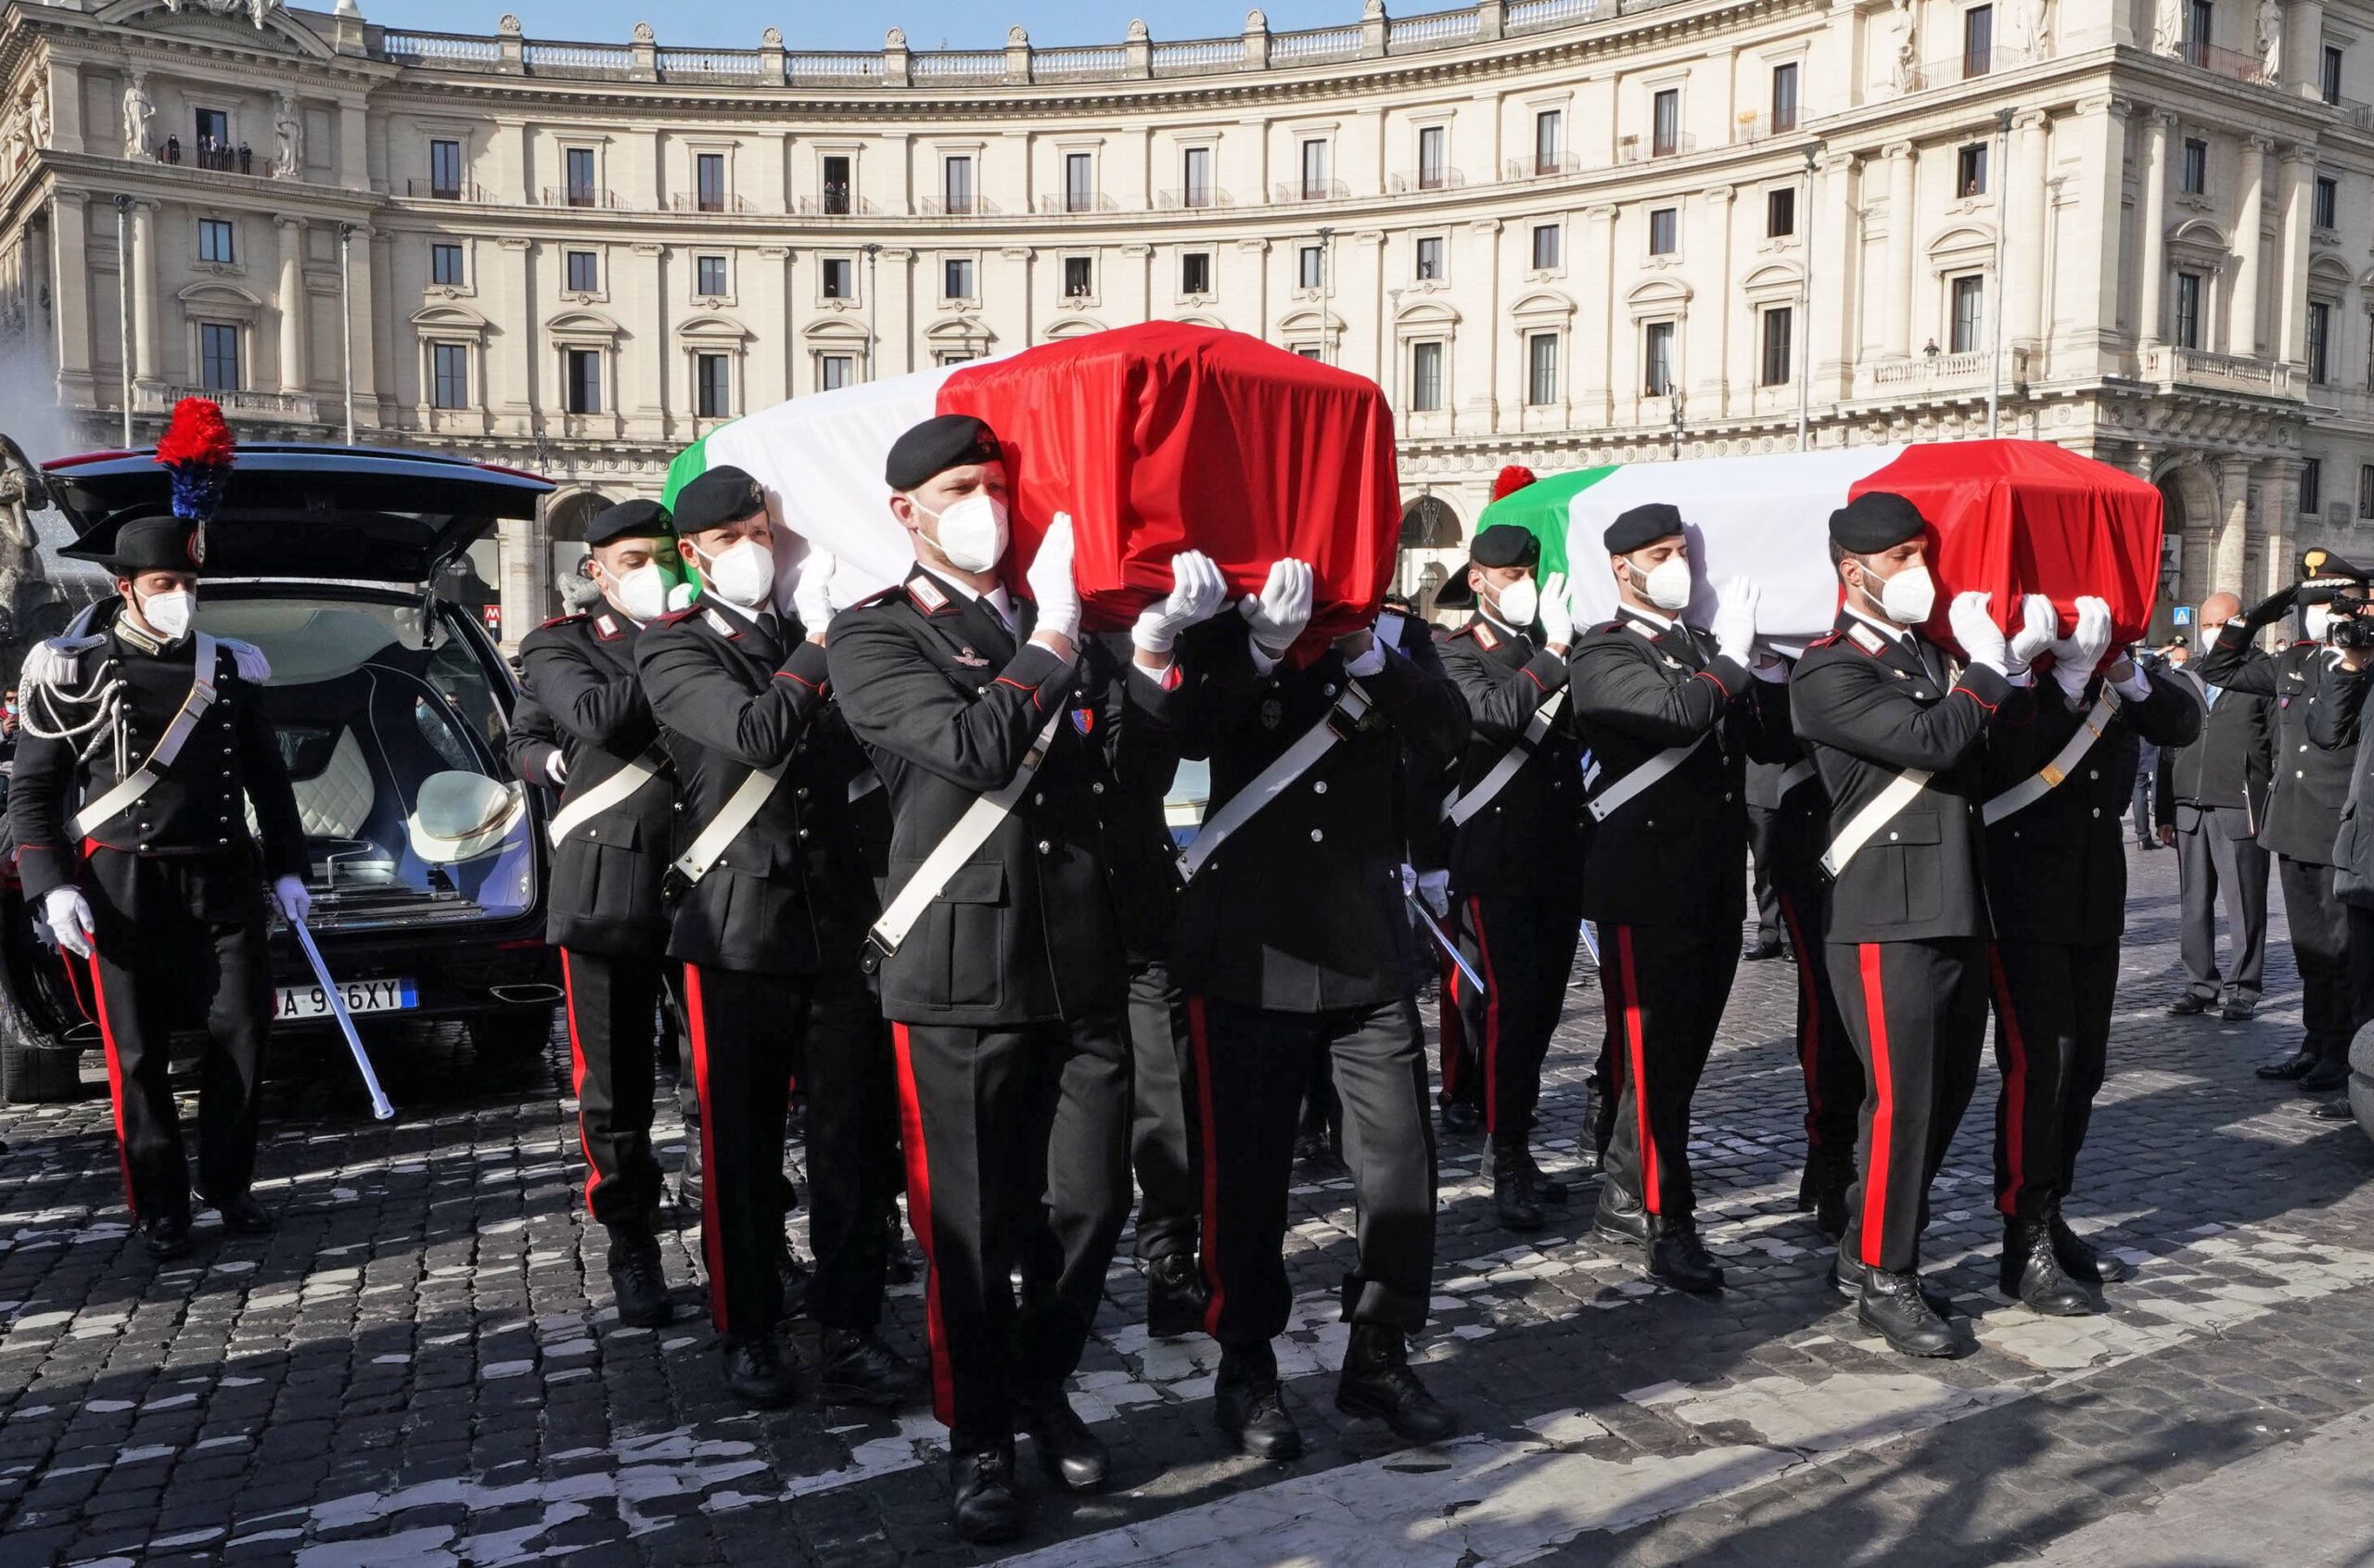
(689, 463)
(1541, 507)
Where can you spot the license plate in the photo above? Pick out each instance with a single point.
(361, 996)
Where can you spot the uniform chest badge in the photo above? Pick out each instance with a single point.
(608, 628)
(1084, 721)
(927, 595)
(1274, 713)
(970, 659)
(721, 626)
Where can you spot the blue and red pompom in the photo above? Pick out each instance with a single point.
(197, 452)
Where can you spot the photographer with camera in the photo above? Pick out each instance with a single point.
(2333, 725)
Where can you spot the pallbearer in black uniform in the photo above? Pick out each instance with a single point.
(2056, 882)
(611, 843)
(767, 864)
(1001, 957)
(1898, 741)
(1293, 945)
(1670, 711)
(143, 747)
(1518, 832)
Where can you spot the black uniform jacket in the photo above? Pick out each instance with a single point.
(1870, 708)
(2056, 870)
(1676, 854)
(606, 884)
(2230, 762)
(1301, 910)
(2304, 802)
(1784, 781)
(730, 699)
(532, 740)
(193, 812)
(1528, 841)
(947, 702)
(1142, 753)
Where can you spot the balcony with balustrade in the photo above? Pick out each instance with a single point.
(2203, 370)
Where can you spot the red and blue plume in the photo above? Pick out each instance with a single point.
(1510, 479)
(197, 452)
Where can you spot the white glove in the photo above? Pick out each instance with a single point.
(56, 663)
(1197, 591)
(2039, 629)
(254, 669)
(1052, 588)
(811, 596)
(1976, 630)
(289, 893)
(682, 596)
(2075, 655)
(1434, 890)
(68, 915)
(556, 766)
(1557, 614)
(1277, 614)
(1734, 627)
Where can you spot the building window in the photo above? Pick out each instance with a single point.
(1309, 351)
(1432, 166)
(218, 353)
(1196, 174)
(1548, 141)
(449, 375)
(956, 183)
(713, 385)
(1665, 229)
(1541, 368)
(2321, 320)
(709, 181)
(584, 271)
(956, 278)
(581, 191)
(2365, 490)
(1656, 358)
(445, 171)
(837, 188)
(1545, 246)
(2330, 81)
(836, 371)
(1978, 41)
(1080, 278)
(1785, 98)
(1430, 259)
(584, 390)
(1780, 339)
(2328, 202)
(1664, 122)
(1970, 170)
(445, 263)
(1079, 183)
(1314, 170)
(2196, 166)
(2199, 14)
(839, 278)
(1309, 268)
(1780, 212)
(2187, 310)
(1196, 272)
(1425, 377)
(1970, 312)
(215, 241)
(213, 127)
(2312, 486)
(708, 277)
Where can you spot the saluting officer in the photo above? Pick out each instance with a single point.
(143, 746)
(611, 842)
(1669, 712)
(768, 861)
(1519, 830)
(1898, 741)
(2056, 882)
(1000, 954)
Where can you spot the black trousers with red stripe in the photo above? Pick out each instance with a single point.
(1524, 950)
(1163, 1145)
(1666, 987)
(1917, 1014)
(613, 1050)
(1251, 1066)
(2052, 1032)
(743, 1028)
(1017, 1143)
(1461, 1080)
(1826, 1059)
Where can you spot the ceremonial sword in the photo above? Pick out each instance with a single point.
(1451, 949)
(381, 1109)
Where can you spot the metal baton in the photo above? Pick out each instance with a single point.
(1451, 949)
(381, 1109)
(1590, 943)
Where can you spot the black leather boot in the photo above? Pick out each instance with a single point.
(1893, 1305)
(1377, 1382)
(1512, 1201)
(165, 1236)
(1807, 1182)
(1835, 1180)
(1677, 1257)
(242, 1215)
(2080, 1259)
(638, 1283)
(1461, 1118)
(1072, 1456)
(1176, 1295)
(757, 1373)
(2324, 1077)
(1621, 1218)
(2031, 1274)
(1847, 1274)
(1248, 1406)
(983, 1506)
(1546, 1189)
(2296, 1066)
(860, 1369)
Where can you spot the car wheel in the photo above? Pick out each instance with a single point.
(34, 1069)
(512, 1035)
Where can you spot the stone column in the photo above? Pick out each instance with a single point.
(2242, 313)
(2299, 181)
(1901, 224)
(1590, 373)
(1714, 366)
(2303, 47)
(2228, 550)
(293, 310)
(1836, 246)
(2151, 321)
(145, 364)
(69, 265)
(2022, 207)
(2279, 514)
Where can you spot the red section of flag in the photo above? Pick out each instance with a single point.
(1162, 437)
(2018, 517)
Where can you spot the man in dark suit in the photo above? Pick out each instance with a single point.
(2213, 797)
(1764, 792)
(2338, 724)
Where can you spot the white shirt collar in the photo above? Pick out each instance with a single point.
(999, 599)
(1902, 636)
(1663, 622)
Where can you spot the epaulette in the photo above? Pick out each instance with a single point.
(563, 619)
(1456, 633)
(672, 616)
(880, 595)
(1828, 641)
(1604, 626)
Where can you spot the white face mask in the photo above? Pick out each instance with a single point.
(1908, 597)
(743, 574)
(972, 531)
(642, 593)
(1666, 585)
(2320, 621)
(1518, 603)
(169, 614)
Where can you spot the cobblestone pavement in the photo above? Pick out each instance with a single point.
(418, 1368)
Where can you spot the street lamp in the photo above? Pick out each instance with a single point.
(872, 333)
(346, 320)
(2002, 158)
(1806, 305)
(1392, 348)
(1326, 291)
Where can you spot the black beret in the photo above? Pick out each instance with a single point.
(1642, 526)
(158, 543)
(1502, 544)
(939, 444)
(1874, 521)
(630, 519)
(719, 496)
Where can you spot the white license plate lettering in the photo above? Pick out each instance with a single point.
(360, 996)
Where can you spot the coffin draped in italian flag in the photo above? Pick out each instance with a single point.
(1154, 438)
(2011, 517)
